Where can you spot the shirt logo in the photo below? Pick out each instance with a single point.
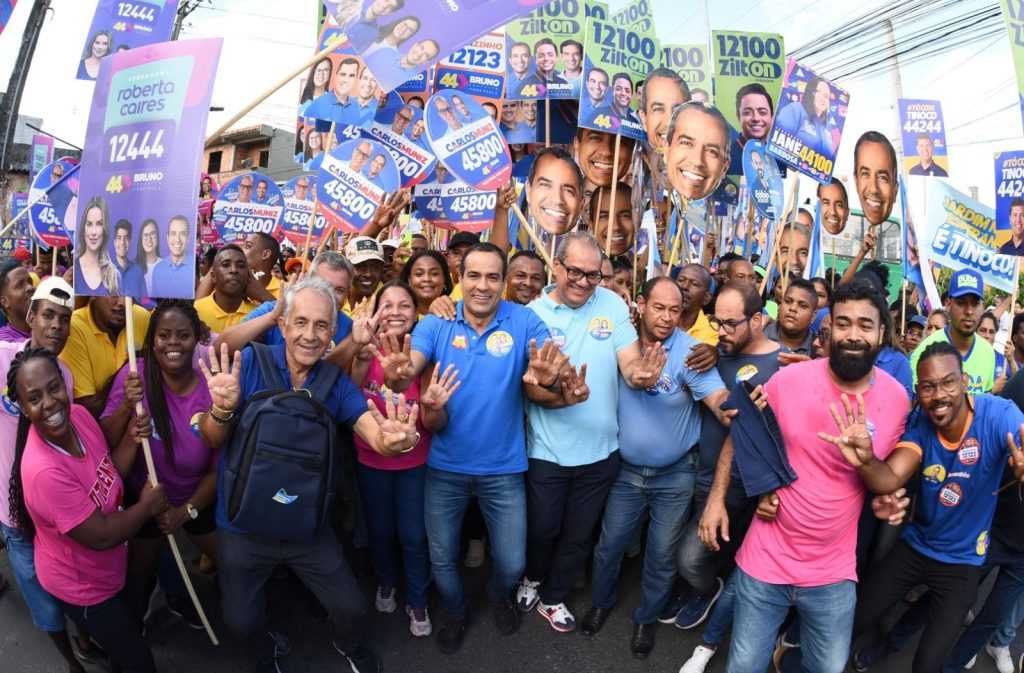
(665, 386)
(194, 423)
(558, 337)
(459, 342)
(746, 372)
(600, 328)
(969, 451)
(500, 344)
(936, 474)
(951, 495)
(106, 476)
(282, 497)
(981, 546)
(9, 405)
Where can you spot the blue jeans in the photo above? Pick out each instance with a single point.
(722, 614)
(47, 614)
(663, 492)
(393, 505)
(826, 623)
(502, 501)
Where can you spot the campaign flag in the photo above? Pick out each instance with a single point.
(637, 16)
(299, 206)
(18, 235)
(6, 7)
(908, 242)
(615, 60)
(545, 52)
(354, 179)
(120, 25)
(763, 180)
(596, 9)
(400, 127)
(339, 89)
(691, 62)
(42, 154)
(466, 139)
(250, 203)
(961, 233)
(1010, 202)
(144, 144)
(809, 122)
(924, 138)
(54, 199)
(416, 89)
(478, 69)
(399, 40)
(1013, 13)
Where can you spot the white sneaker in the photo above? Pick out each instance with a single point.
(970, 664)
(559, 616)
(527, 595)
(385, 601)
(420, 628)
(698, 661)
(1002, 657)
(475, 554)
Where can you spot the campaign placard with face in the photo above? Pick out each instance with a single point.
(923, 131)
(120, 25)
(466, 139)
(354, 179)
(250, 203)
(54, 195)
(545, 52)
(1009, 176)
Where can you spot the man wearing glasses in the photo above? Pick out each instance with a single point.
(245, 190)
(360, 156)
(403, 118)
(570, 472)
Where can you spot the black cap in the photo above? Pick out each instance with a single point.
(463, 238)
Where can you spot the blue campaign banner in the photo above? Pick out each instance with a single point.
(6, 7)
(250, 203)
(427, 199)
(1010, 202)
(299, 206)
(763, 179)
(924, 137)
(545, 52)
(42, 154)
(809, 123)
(54, 199)
(400, 127)
(477, 69)
(466, 139)
(140, 169)
(120, 25)
(518, 121)
(354, 179)
(449, 203)
(18, 236)
(339, 89)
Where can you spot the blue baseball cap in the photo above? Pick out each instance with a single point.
(964, 282)
(918, 320)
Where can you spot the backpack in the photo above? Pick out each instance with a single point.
(280, 469)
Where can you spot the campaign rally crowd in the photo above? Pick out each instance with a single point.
(792, 462)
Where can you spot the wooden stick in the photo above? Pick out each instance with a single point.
(53, 262)
(547, 122)
(750, 226)
(129, 326)
(331, 46)
(611, 197)
(903, 307)
(677, 243)
(539, 244)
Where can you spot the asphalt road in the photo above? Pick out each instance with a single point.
(535, 648)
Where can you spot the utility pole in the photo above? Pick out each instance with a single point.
(184, 10)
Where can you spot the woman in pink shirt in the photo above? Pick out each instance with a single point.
(66, 494)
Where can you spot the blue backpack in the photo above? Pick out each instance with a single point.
(280, 469)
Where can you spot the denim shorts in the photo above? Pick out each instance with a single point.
(46, 612)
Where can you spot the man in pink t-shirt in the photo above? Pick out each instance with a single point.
(840, 421)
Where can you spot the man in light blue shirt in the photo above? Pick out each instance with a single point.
(574, 451)
(174, 276)
(658, 437)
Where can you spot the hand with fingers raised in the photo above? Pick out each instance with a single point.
(574, 385)
(397, 425)
(1016, 456)
(648, 369)
(545, 364)
(224, 379)
(441, 388)
(395, 359)
(854, 439)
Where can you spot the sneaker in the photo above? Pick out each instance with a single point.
(182, 608)
(1002, 657)
(527, 595)
(91, 654)
(361, 659)
(970, 664)
(475, 554)
(419, 621)
(698, 661)
(449, 639)
(696, 610)
(671, 610)
(558, 616)
(506, 617)
(385, 601)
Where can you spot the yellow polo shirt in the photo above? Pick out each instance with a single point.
(703, 331)
(91, 357)
(456, 294)
(216, 318)
(274, 287)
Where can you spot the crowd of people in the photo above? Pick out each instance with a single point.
(757, 437)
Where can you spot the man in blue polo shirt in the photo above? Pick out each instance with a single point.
(573, 451)
(246, 560)
(658, 437)
(481, 451)
(173, 275)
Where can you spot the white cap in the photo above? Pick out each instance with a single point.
(363, 249)
(395, 243)
(55, 289)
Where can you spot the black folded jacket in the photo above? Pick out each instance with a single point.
(759, 451)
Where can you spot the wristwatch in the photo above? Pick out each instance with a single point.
(192, 512)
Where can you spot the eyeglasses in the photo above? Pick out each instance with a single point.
(576, 274)
(950, 384)
(728, 325)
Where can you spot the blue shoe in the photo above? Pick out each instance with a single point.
(671, 610)
(697, 609)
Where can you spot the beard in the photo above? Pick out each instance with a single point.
(853, 366)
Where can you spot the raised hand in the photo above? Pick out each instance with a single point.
(648, 368)
(545, 364)
(395, 359)
(891, 508)
(397, 426)
(574, 385)
(364, 328)
(506, 197)
(1016, 456)
(223, 378)
(854, 440)
(870, 237)
(441, 388)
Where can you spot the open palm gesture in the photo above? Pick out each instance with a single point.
(648, 368)
(397, 425)
(395, 358)
(545, 364)
(441, 388)
(223, 378)
(854, 439)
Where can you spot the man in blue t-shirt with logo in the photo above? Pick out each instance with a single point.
(964, 441)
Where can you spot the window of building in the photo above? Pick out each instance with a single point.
(214, 164)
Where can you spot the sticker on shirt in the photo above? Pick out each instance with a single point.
(746, 372)
(10, 406)
(935, 474)
(558, 337)
(666, 385)
(951, 495)
(969, 451)
(459, 342)
(981, 546)
(870, 426)
(499, 344)
(600, 328)
(194, 422)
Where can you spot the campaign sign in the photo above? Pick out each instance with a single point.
(140, 168)
(477, 69)
(299, 204)
(616, 60)
(690, 61)
(742, 59)
(120, 25)
(545, 52)
(18, 235)
(54, 199)
(42, 154)
(400, 127)
(250, 203)
(518, 121)
(809, 122)
(427, 198)
(6, 7)
(763, 180)
(1010, 202)
(467, 141)
(962, 234)
(924, 138)
(596, 9)
(354, 179)
(637, 15)
(338, 90)
(1013, 13)
(467, 208)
